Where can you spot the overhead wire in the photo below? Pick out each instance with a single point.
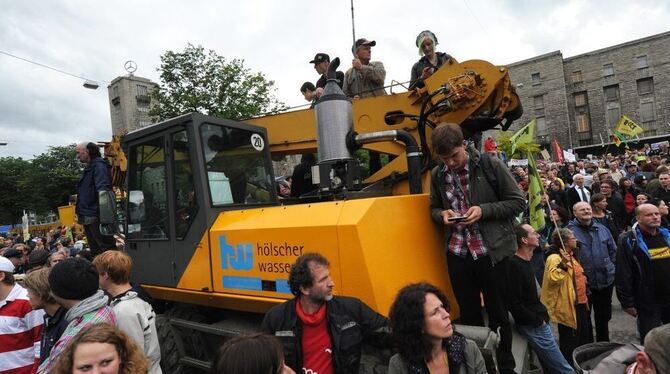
(48, 67)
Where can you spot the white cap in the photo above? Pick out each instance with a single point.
(6, 265)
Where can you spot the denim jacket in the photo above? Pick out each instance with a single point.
(597, 253)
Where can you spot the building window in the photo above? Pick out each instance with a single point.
(541, 124)
(580, 99)
(608, 70)
(142, 90)
(641, 62)
(645, 86)
(538, 102)
(647, 111)
(611, 92)
(613, 114)
(583, 124)
(536, 78)
(577, 76)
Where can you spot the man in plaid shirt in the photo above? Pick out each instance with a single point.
(475, 198)
(74, 284)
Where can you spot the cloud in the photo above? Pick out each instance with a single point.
(93, 39)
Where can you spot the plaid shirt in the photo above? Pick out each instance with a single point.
(102, 315)
(463, 238)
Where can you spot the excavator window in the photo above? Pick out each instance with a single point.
(238, 171)
(186, 204)
(148, 204)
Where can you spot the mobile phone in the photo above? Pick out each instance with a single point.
(456, 218)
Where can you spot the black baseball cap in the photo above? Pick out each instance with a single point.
(319, 58)
(363, 41)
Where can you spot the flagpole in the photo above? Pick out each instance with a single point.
(353, 29)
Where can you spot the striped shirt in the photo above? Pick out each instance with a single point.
(20, 329)
(102, 315)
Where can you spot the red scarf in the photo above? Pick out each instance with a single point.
(317, 347)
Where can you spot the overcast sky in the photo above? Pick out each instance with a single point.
(41, 108)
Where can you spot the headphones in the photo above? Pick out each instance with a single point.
(425, 33)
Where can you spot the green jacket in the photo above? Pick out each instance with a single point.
(499, 208)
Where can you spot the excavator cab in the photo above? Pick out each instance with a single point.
(181, 174)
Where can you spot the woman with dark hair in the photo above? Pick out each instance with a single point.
(558, 195)
(663, 209)
(628, 194)
(642, 198)
(564, 293)
(250, 354)
(602, 215)
(558, 215)
(425, 338)
(104, 349)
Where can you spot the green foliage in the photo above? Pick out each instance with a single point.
(504, 144)
(41, 184)
(204, 82)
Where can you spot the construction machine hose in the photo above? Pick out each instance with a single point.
(414, 164)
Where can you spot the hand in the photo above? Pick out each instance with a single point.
(631, 311)
(426, 72)
(561, 265)
(319, 92)
(357, 64)
(445, 217)
(473, 214)
(120, 240)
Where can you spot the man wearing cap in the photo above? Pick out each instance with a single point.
(365, 78)
(74, 284)
(430, 60)
(606, 358)
(20, 325)
(321, 62)
(17, 258)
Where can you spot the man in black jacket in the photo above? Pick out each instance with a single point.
(96, 177)
(321, 332)
(642, 276)
(530, 315)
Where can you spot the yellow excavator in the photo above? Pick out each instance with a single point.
(212, 242)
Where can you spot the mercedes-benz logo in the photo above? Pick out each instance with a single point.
(130, 66)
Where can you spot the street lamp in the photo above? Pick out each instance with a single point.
(91, 84)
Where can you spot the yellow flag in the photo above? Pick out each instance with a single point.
(628, 127)
(523, 136)
(535, 192)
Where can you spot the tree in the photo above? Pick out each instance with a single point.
(204, 82)
(60, 168)
(14, 197)
(41, 185)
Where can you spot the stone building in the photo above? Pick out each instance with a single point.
(129, 103)
(579, 99)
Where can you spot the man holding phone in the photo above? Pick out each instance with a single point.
(476, 199)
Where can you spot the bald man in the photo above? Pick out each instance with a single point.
(643, 270)
(597, 254)
(95, 177)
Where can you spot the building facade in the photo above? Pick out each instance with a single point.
(578, 100)
(129, 103)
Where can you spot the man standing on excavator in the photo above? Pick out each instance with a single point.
(475, 198)
(96, 177)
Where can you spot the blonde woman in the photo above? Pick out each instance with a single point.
(564, 293)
